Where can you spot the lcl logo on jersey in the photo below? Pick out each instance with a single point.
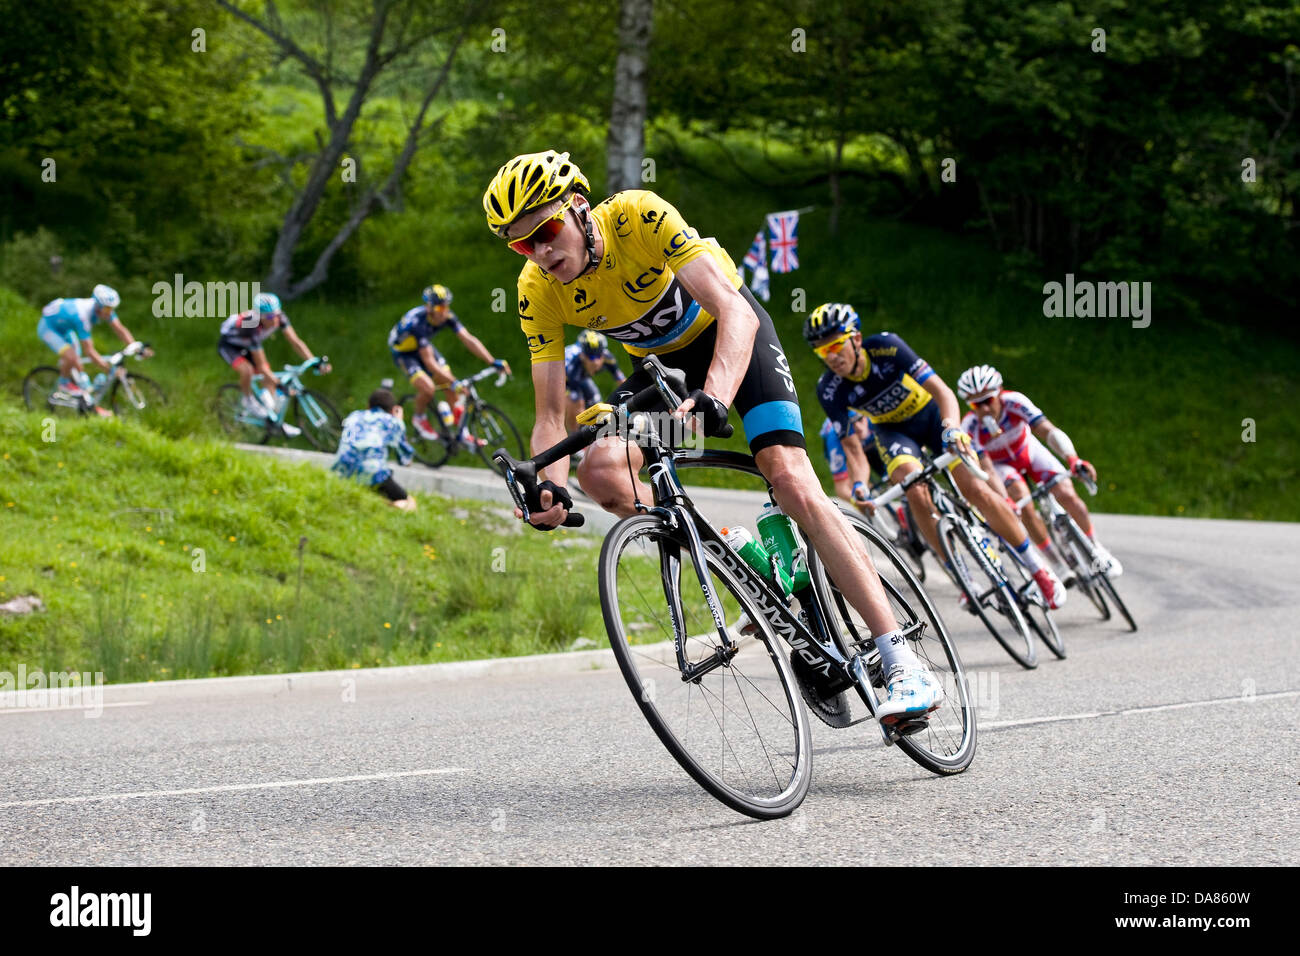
(538, 342)
(621, 225)
(634, 289)
(676, 242)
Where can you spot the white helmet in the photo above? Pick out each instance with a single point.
(104, 296)
(978, 380)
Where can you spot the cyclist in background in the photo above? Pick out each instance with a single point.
(411, 343)
(65, 326)
(910, 408)
(833, 452)
(582, 360)
(240, 347)
(363, 447)
(1009, 428)
(659, 288)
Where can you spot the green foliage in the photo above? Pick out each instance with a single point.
(103, 525)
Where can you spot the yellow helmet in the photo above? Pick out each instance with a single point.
(528, 182)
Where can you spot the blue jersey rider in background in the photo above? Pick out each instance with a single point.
(411, 343)
(582, 360)
(65, 326)
(363, 447)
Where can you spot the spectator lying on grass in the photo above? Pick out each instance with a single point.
(363, 449)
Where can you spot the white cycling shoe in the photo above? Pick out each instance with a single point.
(1107, 563)
(913, 693)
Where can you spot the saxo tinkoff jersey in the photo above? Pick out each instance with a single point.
(634, 296)
(889, 390)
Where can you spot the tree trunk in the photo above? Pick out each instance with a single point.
(625, 145)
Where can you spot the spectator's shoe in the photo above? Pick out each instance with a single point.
(1106, 562)
(830, 706)
(913, 693)
(1050, 587)
(422, 427)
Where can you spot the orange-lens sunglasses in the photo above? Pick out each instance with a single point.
(545, 231)
(833, 346)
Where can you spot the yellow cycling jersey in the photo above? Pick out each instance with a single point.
(634, 295)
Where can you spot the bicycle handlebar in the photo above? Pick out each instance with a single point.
(521, 476)
(938, 464)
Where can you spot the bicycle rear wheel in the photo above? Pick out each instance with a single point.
(238, 422)
(41, 393)
(135, 395)
(945, 742)
(740, 730)
(987, 591)
(319, 420)
(1036, 612)
(493, 429)
(429, 451)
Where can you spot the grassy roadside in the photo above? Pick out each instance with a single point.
(158, 558)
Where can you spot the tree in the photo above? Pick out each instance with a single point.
(625, 145)
(396, 33)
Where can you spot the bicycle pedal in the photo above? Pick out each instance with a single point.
(909, 727)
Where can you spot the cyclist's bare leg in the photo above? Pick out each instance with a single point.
(424, 389)
(918, 499)
(1017, 490)
(244, 369)
(993, 507)
(442, 375)
(69, 362)
(607, 476)
(799, 493)
(1071, 502)
(572, 409)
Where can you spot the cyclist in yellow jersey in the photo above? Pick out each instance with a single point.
(633, 269)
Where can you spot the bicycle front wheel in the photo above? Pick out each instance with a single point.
(945, 743)
(1032, 605)
(1073, 545)
(740, 730)
(319, 420)
(493, 429)
(237, 421)
(428, 451)
(988, 593)
(135, 394)
(1103, 581)
(41, 393)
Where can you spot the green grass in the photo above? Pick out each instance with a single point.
(103, 523)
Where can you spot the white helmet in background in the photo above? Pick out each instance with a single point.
(979, 380)
(106, 296)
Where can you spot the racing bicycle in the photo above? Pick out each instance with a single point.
(973, 561)
(701, 638)
(1078, 550)
(126, 393)
(487, 426)
(296, 406)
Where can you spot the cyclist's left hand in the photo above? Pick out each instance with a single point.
(956, 440)
(1085, 467)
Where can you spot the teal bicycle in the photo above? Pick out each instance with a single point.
(125, 392)
(298, 411)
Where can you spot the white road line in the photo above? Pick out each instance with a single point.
(231, 787)
(1239, 699)
(41, 710)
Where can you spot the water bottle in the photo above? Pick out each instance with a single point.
(445, 413)
(989, 550)
(98, 382)
(777, 531)
(755, 555)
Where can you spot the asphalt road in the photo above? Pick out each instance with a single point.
(1179, 744)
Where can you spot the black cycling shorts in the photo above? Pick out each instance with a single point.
(390, 489)
(766, 400)
(232, 351)
(411, 364)
(900, 442)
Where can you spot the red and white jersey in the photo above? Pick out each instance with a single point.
(1010, 439)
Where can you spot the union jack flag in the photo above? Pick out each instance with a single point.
(757, 252)
(784, 227)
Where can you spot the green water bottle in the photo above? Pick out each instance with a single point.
(755, 555)
(778, 535)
